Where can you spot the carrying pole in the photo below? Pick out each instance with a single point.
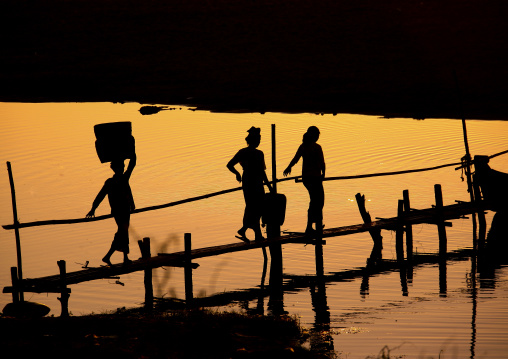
(468, 161)
(274, 161)
(467, 157)
(16, 231)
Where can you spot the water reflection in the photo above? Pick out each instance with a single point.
(321, 338)
(373, 262)
(493, 255)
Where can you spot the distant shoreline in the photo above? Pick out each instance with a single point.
(395, 59)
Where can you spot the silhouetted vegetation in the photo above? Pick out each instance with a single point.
(132, 334)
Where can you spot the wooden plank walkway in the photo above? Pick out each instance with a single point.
(53, 283)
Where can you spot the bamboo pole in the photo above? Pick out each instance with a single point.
(273, 231)
(440, 221)
(188, 270)
(409, 227)
(144, 247)
(16, 232)
(274, 160)
(467, 159)
(209, 195)
(399, 236)
(64, 294)
(15, 284)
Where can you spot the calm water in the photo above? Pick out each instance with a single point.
(183, 153)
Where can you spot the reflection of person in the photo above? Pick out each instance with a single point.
(252, 161)
(122, 204)
(313, 173)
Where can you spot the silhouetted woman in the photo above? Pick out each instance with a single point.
(252, 161)
(122, 204)
(313, 173)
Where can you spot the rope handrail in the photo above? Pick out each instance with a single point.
(197, 198)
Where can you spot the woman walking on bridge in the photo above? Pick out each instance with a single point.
(120, 198)
(313, 173)
(254, 176)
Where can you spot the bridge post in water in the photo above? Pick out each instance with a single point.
(318, 249)
(15, 284)
(399, 236)
(188, 270)
(443, 247)
(272, 228)
(482, 223)
(273, 231)
(64, 294)
(409, 227)
(144, 247)
(399, 246)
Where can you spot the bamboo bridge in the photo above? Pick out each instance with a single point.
(439, 215)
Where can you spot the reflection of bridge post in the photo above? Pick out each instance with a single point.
(443, 287)
(374, 259)
(321, 339)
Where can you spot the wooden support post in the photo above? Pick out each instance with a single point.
(273, 229)
(399, 247)
(188, 270)
(318, 249)
(64, 294)
(374, 233)
(409, 227)
(16, 232)
(144, 247)
(399, 236)
(482, 223)
(440, 220)
(15, 285)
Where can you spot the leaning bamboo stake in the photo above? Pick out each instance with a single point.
(374, 233)
(16, 232)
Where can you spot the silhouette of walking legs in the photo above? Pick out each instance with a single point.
(317, 200)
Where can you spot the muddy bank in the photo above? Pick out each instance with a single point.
(393, 58)
(131, 334)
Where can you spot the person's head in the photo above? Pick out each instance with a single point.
(481, 163)
(312, 135)
(254, 136)
(117, 166)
